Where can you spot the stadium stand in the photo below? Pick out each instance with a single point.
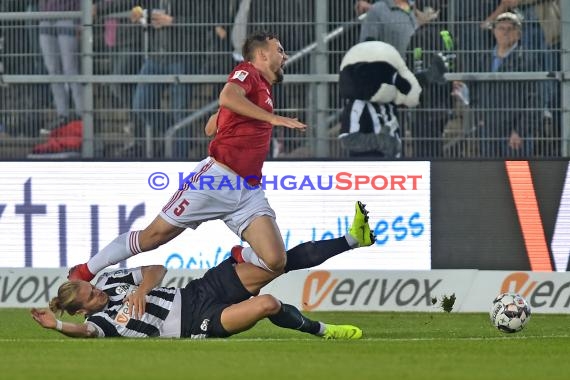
(316, 35)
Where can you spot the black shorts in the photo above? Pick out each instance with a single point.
(204, 299)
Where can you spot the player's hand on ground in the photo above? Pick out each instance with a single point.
(44, 317)
(137, 304)
(288, 122)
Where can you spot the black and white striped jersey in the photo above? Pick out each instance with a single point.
(370, 127)
(114, 320)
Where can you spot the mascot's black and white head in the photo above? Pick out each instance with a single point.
(374, 71)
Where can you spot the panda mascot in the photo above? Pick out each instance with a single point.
(374, 81)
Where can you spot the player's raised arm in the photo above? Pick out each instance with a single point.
(288, 122)
(233, 97)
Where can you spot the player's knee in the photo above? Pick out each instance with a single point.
(277, 263)
(269, 305)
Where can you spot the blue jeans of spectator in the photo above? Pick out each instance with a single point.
(125, 61)
(147, 102)
(533, 40)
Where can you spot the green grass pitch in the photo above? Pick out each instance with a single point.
(434, 345)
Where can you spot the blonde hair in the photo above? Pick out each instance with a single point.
(65, 300)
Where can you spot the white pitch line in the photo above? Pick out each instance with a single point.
(167, 340)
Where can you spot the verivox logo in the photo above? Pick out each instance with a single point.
(317, 287)
(547, 293)
(518, 283)
(321, 287)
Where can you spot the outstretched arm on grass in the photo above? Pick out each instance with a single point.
(46, 318)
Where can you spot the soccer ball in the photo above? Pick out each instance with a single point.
(509, 313)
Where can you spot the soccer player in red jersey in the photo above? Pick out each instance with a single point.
(244, 125)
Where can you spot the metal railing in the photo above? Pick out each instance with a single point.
(317, 84)
(290, 78)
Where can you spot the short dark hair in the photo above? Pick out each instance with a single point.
(255, 41)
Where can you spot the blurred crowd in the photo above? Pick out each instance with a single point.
(479, 117)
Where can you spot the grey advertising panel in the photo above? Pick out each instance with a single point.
(499, 215)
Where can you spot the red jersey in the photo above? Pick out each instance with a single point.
(242, 143)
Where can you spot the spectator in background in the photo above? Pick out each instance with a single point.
(475, 17)
(3, 116)
(428, 121)
(59, 43)
(22, 55)
(396, 22)
(163, 23)
(125, 47)
(362, 6)
(393, 22)
(236, 19)
(390, 21)
(472, 31)
(549, 16)
(237, 27)
(506, 111)
(539, 38)
(223, 41)
(231, 23)
(534, 34)
(179, 33)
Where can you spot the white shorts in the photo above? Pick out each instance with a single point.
(215, 192)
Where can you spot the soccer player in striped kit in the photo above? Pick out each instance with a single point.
(129, 302)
